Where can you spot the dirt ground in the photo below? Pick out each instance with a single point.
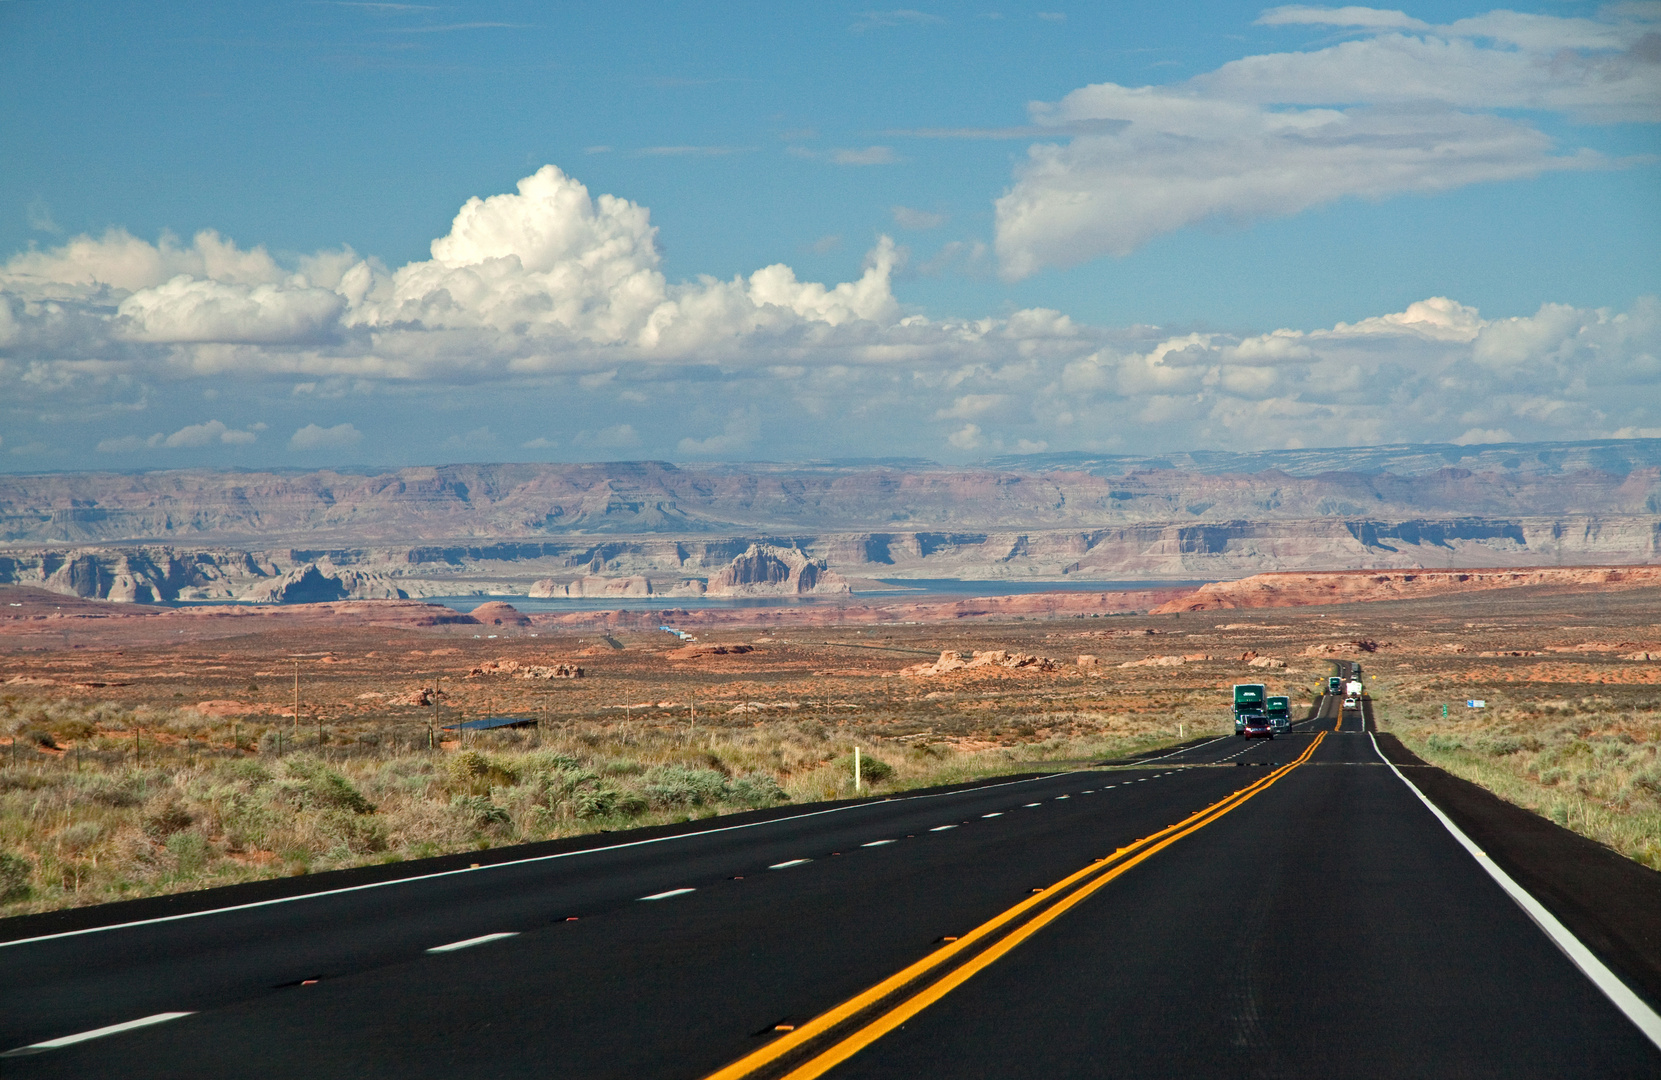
(146, 750)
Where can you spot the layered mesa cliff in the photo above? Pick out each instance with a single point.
(650, 528)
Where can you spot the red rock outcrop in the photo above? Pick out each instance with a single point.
(499, 613)
(1356, 586)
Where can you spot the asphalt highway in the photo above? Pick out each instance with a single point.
(1263, 908)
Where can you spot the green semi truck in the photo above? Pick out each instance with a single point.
(1248, 701)
(1279, 711)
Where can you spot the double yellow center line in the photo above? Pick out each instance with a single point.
(863, 1019)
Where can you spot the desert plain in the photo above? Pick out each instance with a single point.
(147, 750)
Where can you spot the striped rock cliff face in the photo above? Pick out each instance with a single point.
(650, 528)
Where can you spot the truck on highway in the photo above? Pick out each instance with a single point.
(1248, 701)
(1354, 688)
(1279, 711)
(1335, 685)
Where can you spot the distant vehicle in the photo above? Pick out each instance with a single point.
(1335, 685)
(682, 634)
(1354, 688)
(1248, 698)
(1352, 702)
(1255, 726)
(1279, 712)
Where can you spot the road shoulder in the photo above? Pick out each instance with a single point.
(1609, 902)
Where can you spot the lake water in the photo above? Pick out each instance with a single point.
(909, 589)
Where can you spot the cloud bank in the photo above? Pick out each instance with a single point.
(543, 321)
(1407, 108)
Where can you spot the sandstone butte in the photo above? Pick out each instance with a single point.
(1291, 589)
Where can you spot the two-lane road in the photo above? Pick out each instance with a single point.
(1264, 908)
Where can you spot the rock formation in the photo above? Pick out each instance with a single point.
(765, 570)
(518, 670)
(315, 584)
(497, 613)
(952, 661)
(594, 585)
(1353, 586)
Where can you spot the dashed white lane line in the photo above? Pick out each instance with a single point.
(668, 894)
(877, 843)
(1060, 797)
(788, 863)
(995, 813)
(1088, 791)
(1031, 804)
(942, 828)
(95, 1033)
(509, 863)
(472, 941)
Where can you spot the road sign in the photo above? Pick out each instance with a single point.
(1476, 703)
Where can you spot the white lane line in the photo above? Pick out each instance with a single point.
(1619, 994)
(877, 843)
(942, 828)
(1088, 791)
(995, 813)
(508, 863)
(472, 941)
(1110, 787)
(667, 895)
(1060, 797)
(1030, 804)
(1184, 750)
(791, 862)
(95, 1033)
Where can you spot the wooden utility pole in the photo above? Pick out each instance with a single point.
(296, 699)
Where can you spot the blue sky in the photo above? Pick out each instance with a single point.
(1112, 227)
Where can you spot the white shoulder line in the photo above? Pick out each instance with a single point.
(1619, 994)
(511, 862)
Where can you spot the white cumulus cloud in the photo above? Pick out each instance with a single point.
(187, 309)
(545, 311)
(191, 436)
(317, 437)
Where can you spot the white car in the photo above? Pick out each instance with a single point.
(1352, 702)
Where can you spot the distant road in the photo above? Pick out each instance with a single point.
(1285, 908)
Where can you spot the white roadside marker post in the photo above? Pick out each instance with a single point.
(856, 770)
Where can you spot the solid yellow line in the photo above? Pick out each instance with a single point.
(749, 1063)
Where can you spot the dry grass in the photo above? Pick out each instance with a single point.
(88, 814)
(1591, 763)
